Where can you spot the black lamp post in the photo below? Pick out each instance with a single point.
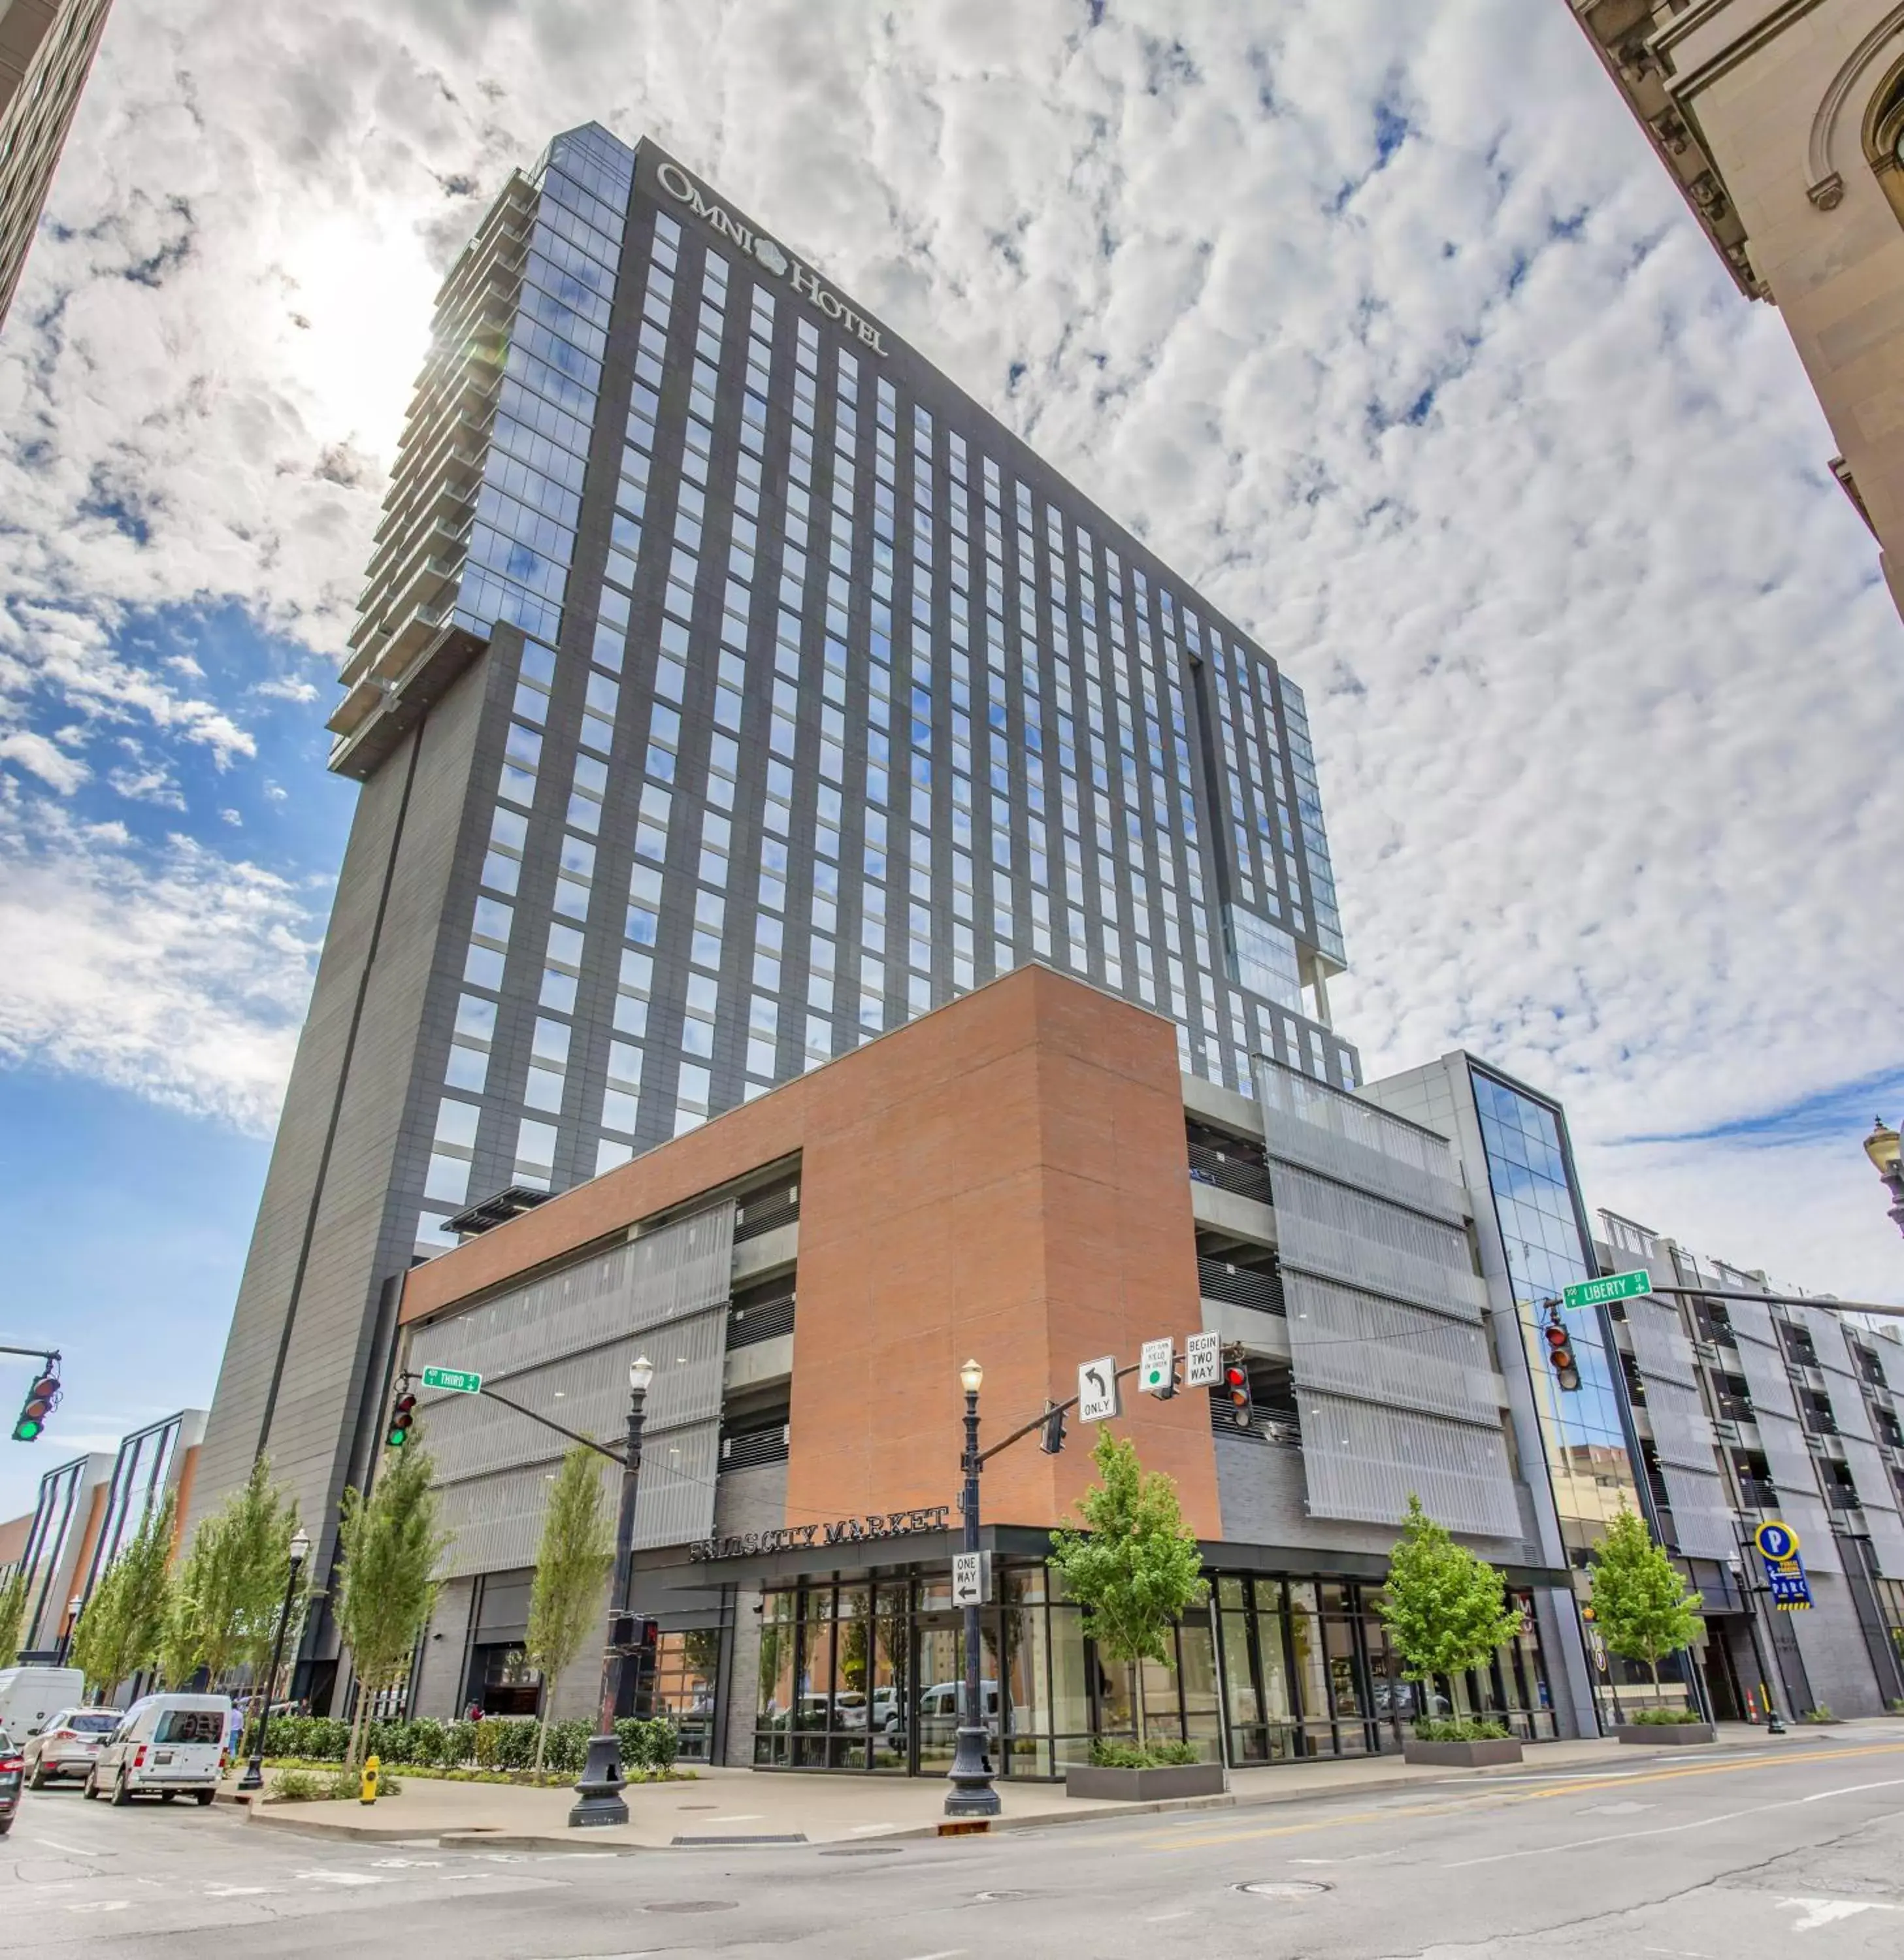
(1775, 1722)
(599, 1793)
(1887, 1158)
(972, 1794)
(253, 1776)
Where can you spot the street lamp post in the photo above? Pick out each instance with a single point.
(599, 1793)
(1887, 1158)
(972, 1794)
(253, 1776)
(1775, 1722)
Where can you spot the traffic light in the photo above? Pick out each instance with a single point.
(1560, 1351)
(1050, 1435)
(41, 1399)
(403, 1419)
(1236, 1385)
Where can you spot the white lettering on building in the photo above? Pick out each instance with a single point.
(773, 257)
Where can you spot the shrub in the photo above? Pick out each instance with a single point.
(567, 1749)
(1457, 1730)
(648, 1745)
(1665, 1718)
(1821, 1714)
(1107, 1755)
(299, 1786)
(316, 1737)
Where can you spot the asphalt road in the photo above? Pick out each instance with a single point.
(1730, 1856)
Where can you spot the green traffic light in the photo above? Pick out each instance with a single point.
(26, 1430)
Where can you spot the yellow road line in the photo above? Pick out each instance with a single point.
(1445, 1805)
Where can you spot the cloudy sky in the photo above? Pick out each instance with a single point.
(1379, 321)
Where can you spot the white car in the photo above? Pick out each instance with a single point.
(68, 1744)
(166, 1745)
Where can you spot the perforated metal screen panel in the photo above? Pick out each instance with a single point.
(1701, 1511)
(1796, 1478)
(1362, 1462)
(1660, 1344)
(1357, 1142)
(1336, 1233)
(1355, 1343)
(1681, 1430)
(563, 1346)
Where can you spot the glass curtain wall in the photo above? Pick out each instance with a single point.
(869, 1677)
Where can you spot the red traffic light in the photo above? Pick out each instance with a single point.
(1560, 1352)
(1236, 1382)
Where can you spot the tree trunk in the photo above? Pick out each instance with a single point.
(1653, 1662)
(541, 1724)
(354, 1756)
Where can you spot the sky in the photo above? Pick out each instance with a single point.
(1380, 323)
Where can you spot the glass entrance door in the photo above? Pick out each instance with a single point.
(938, 1687)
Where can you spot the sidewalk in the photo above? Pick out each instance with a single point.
(738, 1806)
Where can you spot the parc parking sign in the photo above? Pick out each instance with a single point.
(1785, 1578)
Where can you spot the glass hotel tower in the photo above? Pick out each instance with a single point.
(728, 687)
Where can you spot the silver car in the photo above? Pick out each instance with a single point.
(67, 1744)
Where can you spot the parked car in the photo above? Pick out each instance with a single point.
(167, 1744)
(29, 1696)
(68, 1744)
(11, 1768)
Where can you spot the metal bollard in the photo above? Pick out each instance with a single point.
(367, 1794)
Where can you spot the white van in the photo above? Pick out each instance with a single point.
(31, 1696)
(166, 1743)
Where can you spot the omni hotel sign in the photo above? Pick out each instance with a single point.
(772, 257)
(844, 1530)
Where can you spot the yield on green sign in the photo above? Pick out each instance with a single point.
(1615, 1286)
(458, 1381)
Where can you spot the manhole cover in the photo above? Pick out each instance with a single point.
(693, 1905)
(1000, 1899)
(864, 1851)
(1284, 1888)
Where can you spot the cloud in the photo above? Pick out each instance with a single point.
(51, 764)
(177, 974)
(1416, 364)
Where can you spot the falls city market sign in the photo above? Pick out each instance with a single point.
(772, 257)
(843, 1531)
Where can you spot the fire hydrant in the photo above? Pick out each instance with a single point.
(368, 1793)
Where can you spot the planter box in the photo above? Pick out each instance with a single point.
(1670, 1735)
(1147, 1786)
(1464, 1755)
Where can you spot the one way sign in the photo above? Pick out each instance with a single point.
(1097, 1389)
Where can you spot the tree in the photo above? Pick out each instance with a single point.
(389, 1546)
(1446, 1609)
(13, 1613)
(1641, 1604)
(121, 1627)
(1135, 1567)
(224, 1601)
(572, 1565)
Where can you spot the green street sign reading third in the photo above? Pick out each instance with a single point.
(1615, 1286)
(460, 1381)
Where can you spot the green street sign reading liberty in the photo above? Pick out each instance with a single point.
(1615, 1286)
(459, 1380)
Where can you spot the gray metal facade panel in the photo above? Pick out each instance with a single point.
(675, 1503)
(562, 1345)
(1307, 1124)
(1355, 1343)
(1890, 1357)
(1364, 1462)
(1844, 1385)
(1660, 1343)
(1795, 1474)
(1763, 1362)
(684, 1268)
(1324, 1228)
(1681, 1430)
(495, 1523)
(1703, 1516)
(1876, 1493)
(1887, 1542)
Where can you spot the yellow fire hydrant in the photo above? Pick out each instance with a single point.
(368, 1793)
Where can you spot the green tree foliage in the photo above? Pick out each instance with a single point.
(1446, 1609)
(121, 1627)
(1135, 1566)
(13, 1614)
(225, 1598)
(1641, 1604)
(389, 1546)
(572, 1565)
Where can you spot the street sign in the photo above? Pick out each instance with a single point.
(1790, 1590)
(1203, 1361)
(1097, 1389)
(458, 1381)
(1156, 1367)
(1615, 1286)
(971, 1578)
(1776, 1539)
